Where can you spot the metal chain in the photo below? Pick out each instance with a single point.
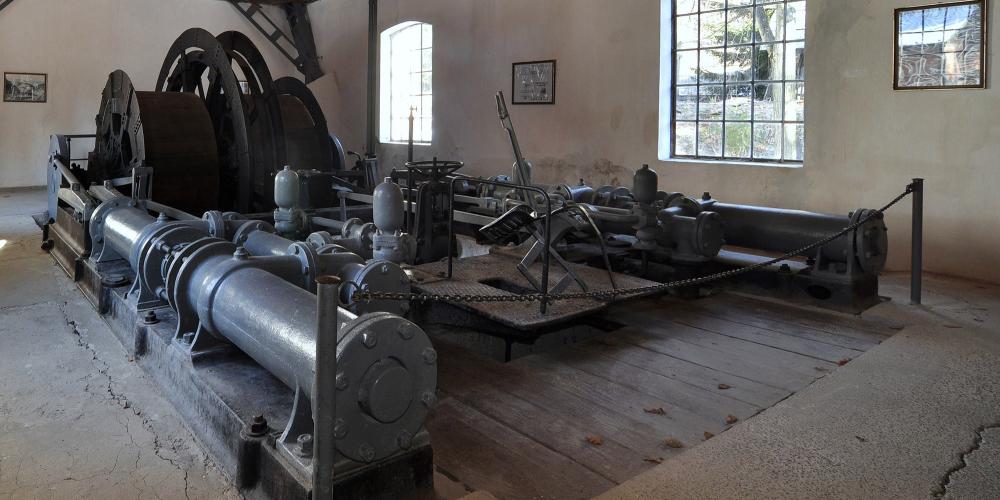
(368, 296)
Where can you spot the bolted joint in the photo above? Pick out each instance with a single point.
(404, 440)
(369, 339)
(366, 452)
(305, 445)
(430, 356)
(342, 381)
(150, 318)
(257, 427)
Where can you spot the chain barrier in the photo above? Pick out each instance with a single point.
(368, 296)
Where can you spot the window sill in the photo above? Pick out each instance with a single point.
(404, 143)
(732, 163)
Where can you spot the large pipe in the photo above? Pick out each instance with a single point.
(780, 230)
(275, 325)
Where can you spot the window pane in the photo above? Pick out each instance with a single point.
(795, 21)
(686, 103)
(795, 135)
(770, 23)
(767, 101)
(767, 141)
(710, 102)
(738, 140)
(684, 139)
(686, 6)
(712, 4)
(426, 56)
(767, 62)
(425, 83)
(687, 32)
(686, 68)
(712, 69)
(795, 97)
(710, 139)
(738, 102)
(738, 64)
(713, 29)
(740, 27)
(795, 68)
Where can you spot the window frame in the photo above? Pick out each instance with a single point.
(725, 83)
(386, 78)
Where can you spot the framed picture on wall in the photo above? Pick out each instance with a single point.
(25, 87)
(534, 82)
(941, 46)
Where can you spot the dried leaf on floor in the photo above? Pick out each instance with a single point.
(843, 362)
(731, 419)
(653, 460)
(673, 443)
(723, 387)
(655, 411)
(708, 435)
(595, 440)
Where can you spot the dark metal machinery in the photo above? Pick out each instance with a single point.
(223, 312)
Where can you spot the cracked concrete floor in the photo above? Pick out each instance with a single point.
(77, 418)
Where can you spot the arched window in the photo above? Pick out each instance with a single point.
(406, 83)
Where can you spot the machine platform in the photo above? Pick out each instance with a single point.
(496, 274)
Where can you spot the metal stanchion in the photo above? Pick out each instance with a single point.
(324, 402)
(917, 242)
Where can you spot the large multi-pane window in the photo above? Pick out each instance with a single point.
(738, 80)
(406, 83)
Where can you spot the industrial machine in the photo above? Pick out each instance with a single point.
(293, 385)
(283, 321)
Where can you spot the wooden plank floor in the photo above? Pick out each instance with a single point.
(676, 370)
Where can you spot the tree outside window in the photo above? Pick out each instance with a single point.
(738, 80)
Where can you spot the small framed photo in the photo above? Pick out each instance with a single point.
(25, 87)
(534, 82)
(941, 46)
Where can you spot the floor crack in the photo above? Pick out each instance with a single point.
(942, 488)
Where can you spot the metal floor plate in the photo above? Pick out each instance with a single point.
(497, 274)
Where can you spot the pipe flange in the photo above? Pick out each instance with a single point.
(158, 248)
(182, 271)
(216, 223)
(381, 276)
(320, 239)
(709, 234)
(386, 383)
(97, 250)
(306, 254)
(871, 242)
(243, 232)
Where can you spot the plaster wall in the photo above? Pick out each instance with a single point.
(78, 43)
(865, 141)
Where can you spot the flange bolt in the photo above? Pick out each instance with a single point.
(305, 445)
(150, 318)
(430, 356)
(404, 440)
(258, 426)
(366, 452)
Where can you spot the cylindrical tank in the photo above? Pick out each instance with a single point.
(286, 188)
(781, 230)
(387, 206)
(645, 185)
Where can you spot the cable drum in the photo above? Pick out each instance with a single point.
(170, 132)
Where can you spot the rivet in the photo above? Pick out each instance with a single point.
(339, 428)
(385, 268)
(342, 381)
(430, 356)
(367, 452)
(428, 399)
(404, 440)
(405, 331)
(369, 340)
